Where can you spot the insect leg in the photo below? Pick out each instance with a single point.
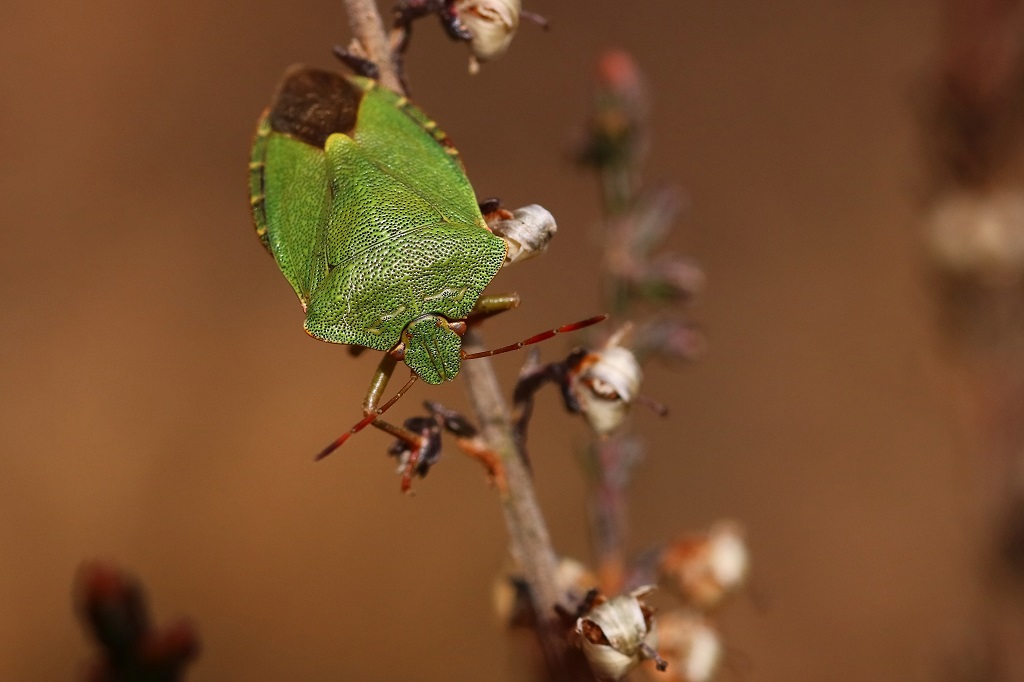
(372, 401)
(372, 411)
(489, 306)
(361, 65)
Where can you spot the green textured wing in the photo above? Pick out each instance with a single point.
(290, 206)
(403, 140)
(289, 187)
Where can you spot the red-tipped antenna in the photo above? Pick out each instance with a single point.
(367, 420)
(543, 336)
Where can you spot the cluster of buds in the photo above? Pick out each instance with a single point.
(702, 570)
(638, 270)
(619, 634)
(615, 635)
(113, 607)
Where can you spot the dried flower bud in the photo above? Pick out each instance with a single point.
(671, 278)
(704, 569)
(691, 646)
(605, 383)
(979, 234)
(617, 136)
(528, 232)
(492, 23)
(618, 634)
(413, 462)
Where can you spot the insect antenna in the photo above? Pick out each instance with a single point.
(543, 336)
(367, 420)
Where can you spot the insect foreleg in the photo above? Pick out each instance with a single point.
(489, 306)
(371, 403)
(372, 411)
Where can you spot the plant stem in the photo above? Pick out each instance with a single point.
(368, 31)
(529, 542)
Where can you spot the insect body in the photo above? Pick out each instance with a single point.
(367, 210)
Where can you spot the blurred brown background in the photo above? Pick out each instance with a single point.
(159, 403)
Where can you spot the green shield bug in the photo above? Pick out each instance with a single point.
(367, 210)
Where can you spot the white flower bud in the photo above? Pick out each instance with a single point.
(618, 634)
(692, 648)
(979, 234)
(704, 569)
(605, 385)
(492, 23)
(728, 560)
(528, 232)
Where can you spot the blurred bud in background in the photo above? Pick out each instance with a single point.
(691, 647)
(979, 234)
(703, 569)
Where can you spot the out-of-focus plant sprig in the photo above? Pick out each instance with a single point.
(615, 624)
(112, 606)
(974, 241)
(647, 289)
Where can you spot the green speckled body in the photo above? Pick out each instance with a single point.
(367, 210)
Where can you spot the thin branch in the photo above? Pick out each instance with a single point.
(369, 34)
(529, 541)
